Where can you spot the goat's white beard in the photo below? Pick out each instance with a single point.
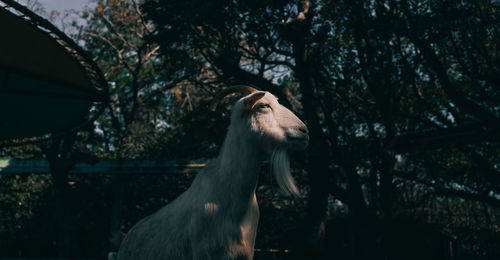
(280, 166)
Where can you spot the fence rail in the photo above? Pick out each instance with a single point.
(105, 166)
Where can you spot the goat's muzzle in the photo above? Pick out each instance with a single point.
(298, 137)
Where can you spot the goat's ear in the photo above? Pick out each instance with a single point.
(250, 100)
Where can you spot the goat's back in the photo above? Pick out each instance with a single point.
(159, 236)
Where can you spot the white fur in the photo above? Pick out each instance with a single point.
(280, 166)
(217, 217)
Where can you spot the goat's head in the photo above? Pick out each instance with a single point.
(269, 125)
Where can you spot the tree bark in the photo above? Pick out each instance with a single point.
(318, 155)
(60, 163)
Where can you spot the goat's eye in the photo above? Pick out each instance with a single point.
(264, 106)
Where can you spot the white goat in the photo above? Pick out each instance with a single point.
(217, 217)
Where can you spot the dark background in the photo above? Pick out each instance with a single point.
(402, 100)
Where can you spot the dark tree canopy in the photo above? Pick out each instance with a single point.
(398, 95)
(402, 100)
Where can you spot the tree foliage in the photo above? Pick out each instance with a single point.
(401, 99)
(397, 94)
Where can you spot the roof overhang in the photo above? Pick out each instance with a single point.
(48, 84)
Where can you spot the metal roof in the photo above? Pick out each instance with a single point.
(48, 84)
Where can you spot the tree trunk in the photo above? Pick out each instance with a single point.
(60, 163)
(115, 234)
(318, 153)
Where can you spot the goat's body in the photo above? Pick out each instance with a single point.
(209, 220)
(217, 217)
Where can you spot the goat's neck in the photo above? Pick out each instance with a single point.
(239, 165)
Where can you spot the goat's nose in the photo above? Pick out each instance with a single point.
(303, 129)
